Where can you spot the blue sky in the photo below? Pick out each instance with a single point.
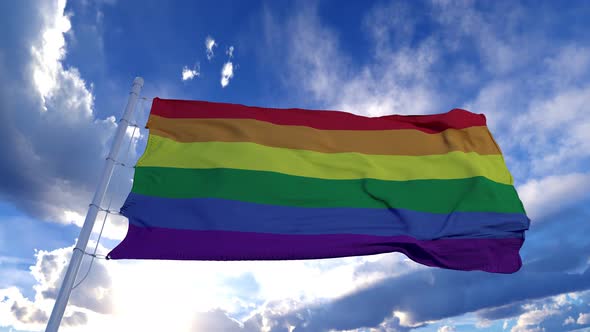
(66, 69)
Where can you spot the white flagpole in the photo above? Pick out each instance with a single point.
(66, 287)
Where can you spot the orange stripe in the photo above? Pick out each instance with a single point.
(386, 142)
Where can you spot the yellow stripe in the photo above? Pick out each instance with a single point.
(164, 152)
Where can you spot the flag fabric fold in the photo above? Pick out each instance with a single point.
(230, 182)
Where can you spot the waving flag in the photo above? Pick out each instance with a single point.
(230, 182)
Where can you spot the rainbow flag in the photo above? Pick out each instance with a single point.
(230, 182)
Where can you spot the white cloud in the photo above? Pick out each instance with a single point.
(542, 123)
(92, 296)
(19, 312)
(529, 321)
(556, 130)
(569, 65)
(209, 45)
(73, 217)
(394, 81)
(47, 106)
(540, 196)
(47, 55)
(561, 300)
(113, 297)
(396, 323)
(584, 318)
(227, 72)
(483, 323)
(569, 320)
(502, 49)
(218, 320)
(188, 74)
(447, 328)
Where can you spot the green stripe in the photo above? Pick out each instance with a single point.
(436, 196)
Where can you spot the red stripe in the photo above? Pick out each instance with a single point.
(328, 120)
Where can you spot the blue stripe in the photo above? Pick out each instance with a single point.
(206, 214)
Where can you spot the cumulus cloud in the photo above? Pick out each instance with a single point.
(45, 107)
(238, 296)
(546, 271)
(19, 312)
(77, 318)
(209, 46)
(447, 328)
(218, 320)
(471, 292)
(552, 314)
(93, 295)
(529, 320)
(188, 73)
(227, 72)
(28, 314)
(583, 318)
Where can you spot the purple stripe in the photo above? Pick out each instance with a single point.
(491, 255)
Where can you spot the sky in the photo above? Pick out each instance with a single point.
(65, 73)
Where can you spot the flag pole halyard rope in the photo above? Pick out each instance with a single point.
(107, 211)
(66, 287)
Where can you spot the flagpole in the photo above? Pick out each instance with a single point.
(66, 286)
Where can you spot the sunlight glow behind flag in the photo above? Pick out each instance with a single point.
(230, 182)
